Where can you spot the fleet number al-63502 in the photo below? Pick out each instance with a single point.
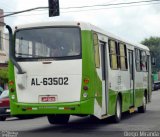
(49, 81)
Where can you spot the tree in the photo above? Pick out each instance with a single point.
(153, 43)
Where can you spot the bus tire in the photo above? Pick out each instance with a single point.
(94, 118)
(118, 111)
(58, 119)
(142, 109)
(2, 118)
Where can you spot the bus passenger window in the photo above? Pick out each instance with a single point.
(96, 50)
(138, 59)
(112, 54)
(123, 56)
(143, 61)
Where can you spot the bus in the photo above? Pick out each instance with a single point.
(58, 69)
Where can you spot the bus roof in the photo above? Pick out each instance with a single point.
(83, 26)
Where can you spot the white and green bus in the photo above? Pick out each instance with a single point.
(60, 69)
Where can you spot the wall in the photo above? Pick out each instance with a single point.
(3, 41)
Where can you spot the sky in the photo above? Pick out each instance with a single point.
(134, 23)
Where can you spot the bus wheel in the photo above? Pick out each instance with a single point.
(58, 119)
(94, 118)
(2, 118)
(118, 111)
(142, 109)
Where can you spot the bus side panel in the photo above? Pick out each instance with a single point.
(89, 72)
(112, 101)
(141, 84)
(12, 86)
(139, 93)
(119, 83)
(125, 100)
(126, 97)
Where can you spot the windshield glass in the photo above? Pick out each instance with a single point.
(4, 94)
(48, 42)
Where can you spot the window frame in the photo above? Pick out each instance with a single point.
(144, 61)
(96, 50)
(46, 58)
(110, 54)
(137, 60)
(124, 56)
(140, 59)
(118, 54)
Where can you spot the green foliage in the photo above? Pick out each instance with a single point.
(153, 43)
(4, 75)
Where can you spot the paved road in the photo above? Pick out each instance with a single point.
(149, 121)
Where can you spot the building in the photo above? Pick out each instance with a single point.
(3, 53)
(3, 42)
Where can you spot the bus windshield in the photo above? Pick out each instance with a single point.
(48, 42)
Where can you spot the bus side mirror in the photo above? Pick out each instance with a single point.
(153, 61)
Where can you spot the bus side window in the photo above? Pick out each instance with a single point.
(143, 61)
(138, 59)
(96, 50)
(113, 54)
(123, 56)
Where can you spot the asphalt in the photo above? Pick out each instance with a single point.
(131, 125)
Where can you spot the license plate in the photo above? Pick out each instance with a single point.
(48, 99)
(8, 110)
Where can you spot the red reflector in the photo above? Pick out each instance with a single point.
(28, 108)
(66, 108)
(85, 88)
(11, 83)
(86, 80)
(72, 108)
(12, 90)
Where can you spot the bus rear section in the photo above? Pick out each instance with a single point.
(48, 78)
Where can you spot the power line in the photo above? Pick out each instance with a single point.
(7, 6)
(111, 7)
(90, 9)
(44, 8)
(112, 4)
(18, 12)
(7, 12)
(80, 7)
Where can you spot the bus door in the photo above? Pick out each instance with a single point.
(149, 77)
(131, 69)
(104, 67)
